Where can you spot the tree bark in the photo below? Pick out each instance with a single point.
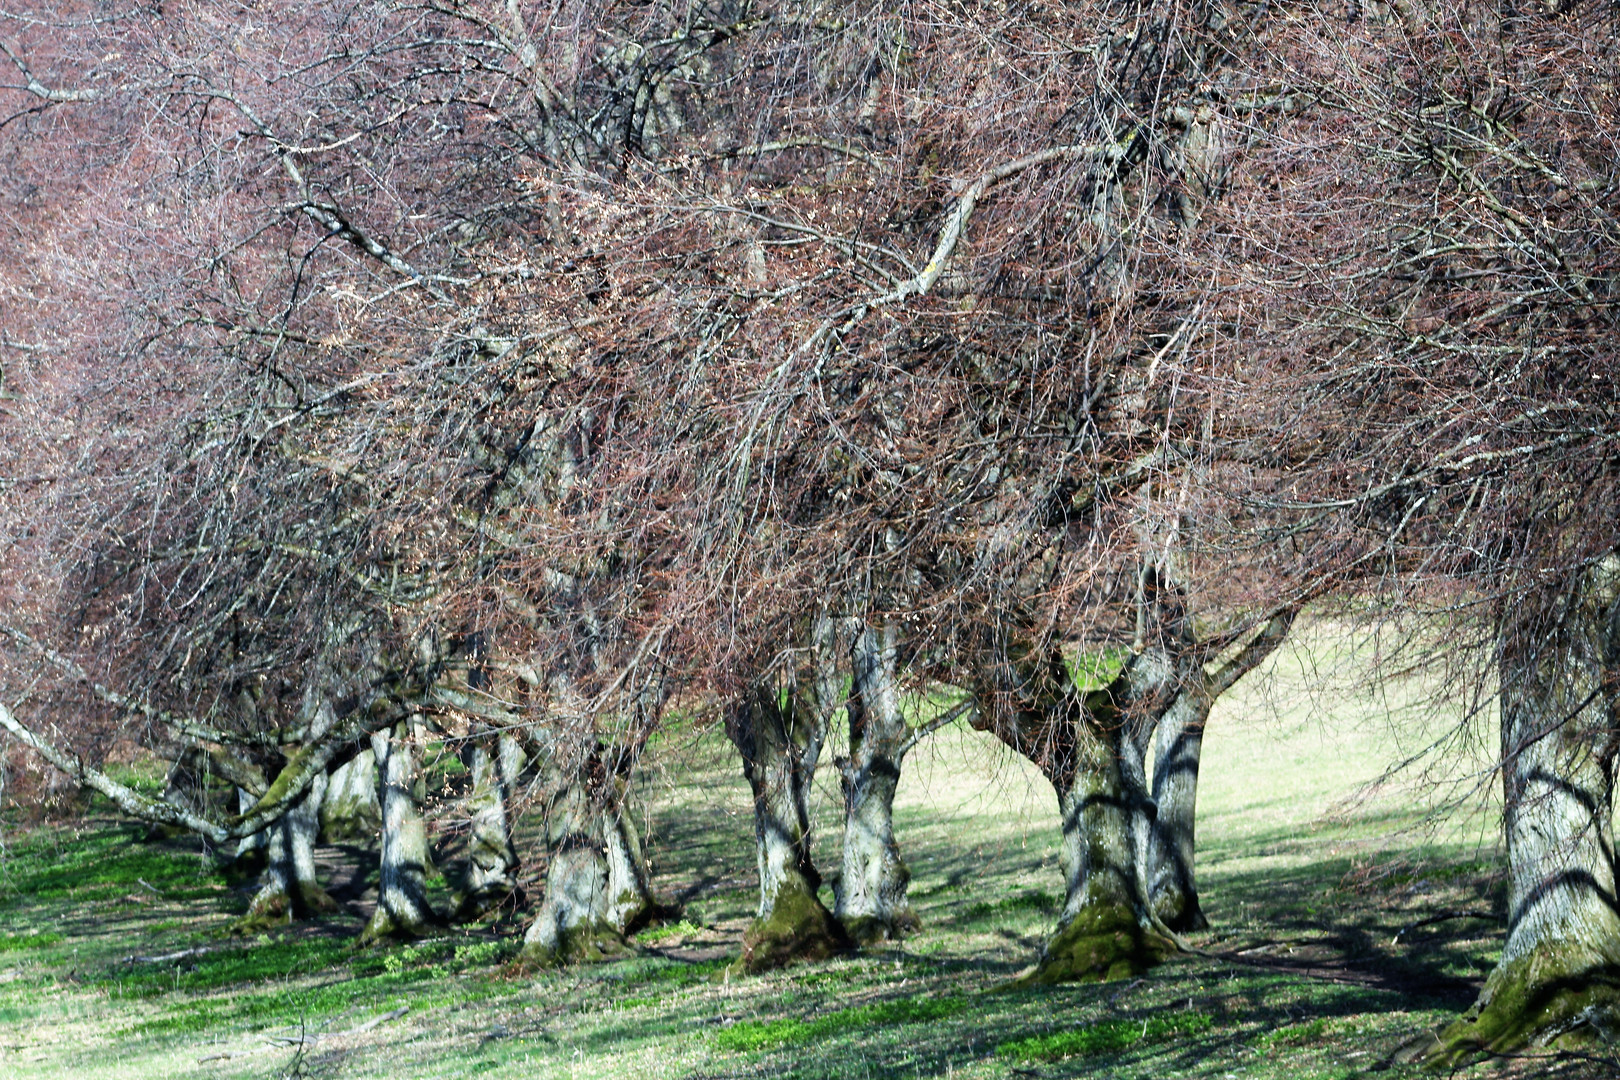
(779, 736)
(1177, 722)
(598, 888)
(492, 861)
(1558, 979)
(871, 900)
(1178, 742)
(351, 810)
(288, 887)
(1082, 745)
(403, 910)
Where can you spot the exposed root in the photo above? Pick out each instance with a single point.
(1547, 998)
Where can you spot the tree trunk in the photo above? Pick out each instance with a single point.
(1081, 744)
(871, 898)
(780, 740)
(402, 904)
(1177, 742)
(598, 889)
(1558, 978)
(352, 812)
(288, 887)
(492, 861)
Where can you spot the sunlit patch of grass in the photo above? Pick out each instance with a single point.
(766, 1034)
(654, 934)
(1106, 1037)
(19, 942)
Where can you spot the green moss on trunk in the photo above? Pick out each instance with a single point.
(866, 930)
(1553, 996)
(385, 926)
(278, 908)
(1101, 943)
(585, 943)
(799, 928)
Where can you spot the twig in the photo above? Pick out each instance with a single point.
(1444, 916)
(166, 957)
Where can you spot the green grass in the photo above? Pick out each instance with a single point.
(654, 934)
(765, 1034)
(1296, 877)
(1107, 1037)
(1031, 900)
(18, 942)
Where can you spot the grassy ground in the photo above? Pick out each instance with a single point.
(114, 961)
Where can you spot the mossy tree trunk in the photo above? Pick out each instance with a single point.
(403, 910)
(495, 764)
(352, 811)
(1081, 744)
(1558, 979)
(598, 887)
(779, 732)
(871, 897)
(288, 887)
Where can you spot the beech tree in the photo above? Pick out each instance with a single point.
(1429, 363)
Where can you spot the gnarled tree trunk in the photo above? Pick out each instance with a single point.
(1081, 744)
(402, 905)
(780, 736)
(871, 895)
(598, 889)
(288, 887)
(492, 862)
(1559, 974)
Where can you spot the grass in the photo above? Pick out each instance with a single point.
(765, 1034)
(1105, 1037)
(115, 961)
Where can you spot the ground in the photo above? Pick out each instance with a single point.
(1342, 926)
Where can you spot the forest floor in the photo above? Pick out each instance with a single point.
(1347, 917)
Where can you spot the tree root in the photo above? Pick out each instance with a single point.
(1101, 943)
(1547, 998)
(798, 929)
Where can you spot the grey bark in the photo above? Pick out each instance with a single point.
(779, 733)
(1081, 744)
(871, 897)
(1178, 742)
(402, 905)
(780, 742)
(351, 810)
(1178, 738)
(288, 886)
(1559, 972)
(598, 888)
(492, 861)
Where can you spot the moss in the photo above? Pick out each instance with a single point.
(866, 930)
(799, 928)
(272, 909)
(1555, 995)
(281, 785)
(384, 927)
(1103, 942)
(584, 943)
